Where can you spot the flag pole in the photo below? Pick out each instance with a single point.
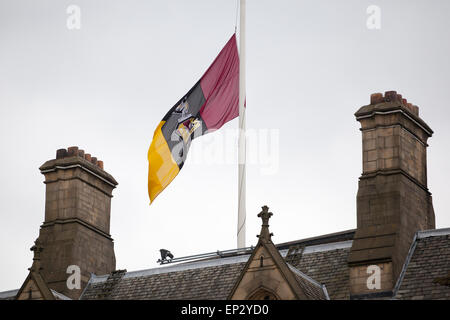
(241, 143)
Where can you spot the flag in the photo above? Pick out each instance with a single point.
(212, 102)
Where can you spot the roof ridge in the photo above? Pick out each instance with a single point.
(411, 250)
(433, 233)
(319, 238)
(327, 246)
(111, 283)
(59, 295)
(316, 283)
(305, 276)
(91, 278)
(184, 266)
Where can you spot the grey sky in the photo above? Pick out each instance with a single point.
(105, 87)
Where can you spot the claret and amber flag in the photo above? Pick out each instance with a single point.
(212, 102)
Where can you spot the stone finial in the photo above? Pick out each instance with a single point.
(265, 216)
(37, 249)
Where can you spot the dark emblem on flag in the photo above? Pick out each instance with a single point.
(182, 111)
(187, 125)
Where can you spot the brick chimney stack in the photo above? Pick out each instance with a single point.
(76, 230)
(393, 200)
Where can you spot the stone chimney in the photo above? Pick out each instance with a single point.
(393, 200)
(77, 219)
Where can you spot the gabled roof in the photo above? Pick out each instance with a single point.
(275, 275)
(426, 272)
(34, 288)
(265, 245)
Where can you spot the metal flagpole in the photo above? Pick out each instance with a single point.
(242, 147)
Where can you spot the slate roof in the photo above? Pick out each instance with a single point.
(203, 283)
(426, 273)
(213, 279)
(8, 295)
(327, 264)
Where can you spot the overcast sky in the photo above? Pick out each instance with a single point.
(105, 87)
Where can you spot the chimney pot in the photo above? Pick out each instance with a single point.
(61, 153)
(94, 160)
(399, 98)
(72, 151)
(87, 156)
(390, 96)
(376, 98)
(100, 164)
(81, 153)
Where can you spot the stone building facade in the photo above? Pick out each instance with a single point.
(395, 252)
